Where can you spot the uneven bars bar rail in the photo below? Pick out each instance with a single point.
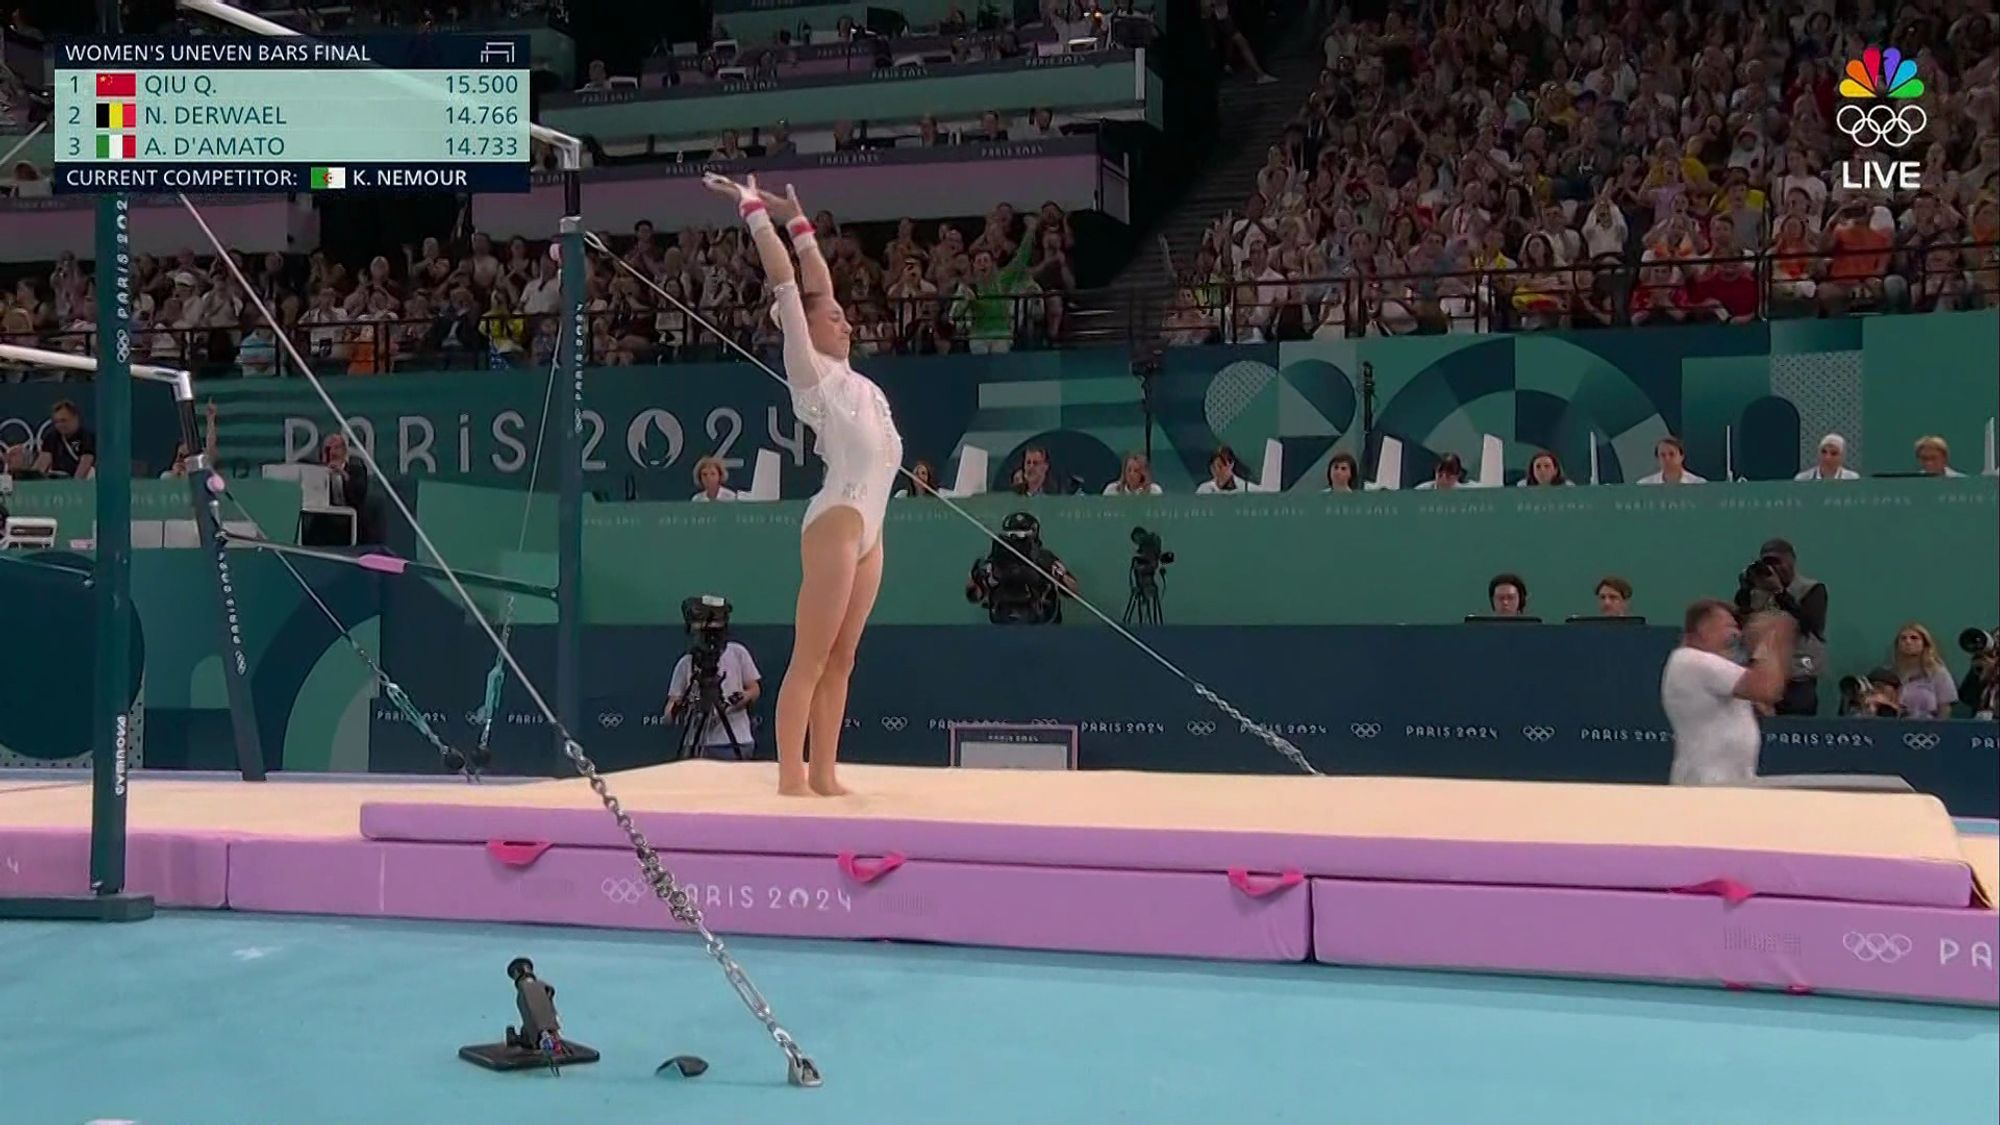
(181, 380)
(391, 564)
(261, 26)
(22, 143)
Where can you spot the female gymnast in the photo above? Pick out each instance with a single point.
(840, 549)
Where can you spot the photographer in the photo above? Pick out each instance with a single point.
(1980, 690)
(716, 680)
(1014, 592)
(1773, 583)
(1879, 696)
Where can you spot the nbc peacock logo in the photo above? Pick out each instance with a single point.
(1879, 109)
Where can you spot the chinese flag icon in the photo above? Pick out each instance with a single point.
(117, 85)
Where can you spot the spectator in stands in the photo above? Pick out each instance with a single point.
(1449, 474)
(1671, 455)
(1934, 457)
(257, 354)
(1507, 595)
(455, 332)
(1343, 473)
(1135, 478)
(29, 182)
(1857, 272)
(1234, 49)
(1033, 478)
(599, 80)
(923, 480)
(1222, 475)
(348, 486)
(1727, 285)
(1544, 470)
(909, 291)
(986, 308)
(1832, 464)
(711, 477)
(68, 448)
(1927, 688)
(1614, 596)
(992, 127)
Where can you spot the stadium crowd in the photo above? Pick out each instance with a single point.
(1558, 165)
(981, 287)
(1453, 167)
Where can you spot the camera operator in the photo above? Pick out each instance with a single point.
(1878, 696)
(1013, 592)
(1710, 700)
(1980, 690)
(714, 681)
(1773, 583)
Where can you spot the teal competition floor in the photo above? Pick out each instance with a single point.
(227, 1018)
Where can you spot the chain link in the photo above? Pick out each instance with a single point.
(682, 906)
(1277, 741)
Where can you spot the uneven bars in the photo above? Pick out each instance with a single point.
(570, 147)
(182, 382)
(22, 143)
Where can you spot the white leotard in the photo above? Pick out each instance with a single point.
(850, 417)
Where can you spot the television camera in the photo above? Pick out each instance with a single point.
(705, 620)
(1150, 560)
(1012, 591)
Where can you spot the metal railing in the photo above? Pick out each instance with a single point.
(1191, 312)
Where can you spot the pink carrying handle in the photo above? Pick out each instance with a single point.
(516, 853)
(1728, 890)
(1243, 881)
(862, 871)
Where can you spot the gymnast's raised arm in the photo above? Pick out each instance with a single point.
(804, 365)
(814, 278)
(771, 250)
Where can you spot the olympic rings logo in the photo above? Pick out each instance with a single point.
(1881, 123)
(1922, 740)
(31, 434)
(610, 720)
(1201, 729)
(1365, 730)
(624, 892)
(1538, 734)
(895, 722)
(1886, 949)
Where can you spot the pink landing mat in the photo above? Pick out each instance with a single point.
(1864, 893)
(1147, 912)
(1870, 847)
(1868, 949)
(177, 869)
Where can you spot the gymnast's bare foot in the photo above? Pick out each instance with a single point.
(791, 784)
(828, 787)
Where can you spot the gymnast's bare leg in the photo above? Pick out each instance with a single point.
(829, 703)
(840, 548)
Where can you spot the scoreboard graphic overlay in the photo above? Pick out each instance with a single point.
(218, 116)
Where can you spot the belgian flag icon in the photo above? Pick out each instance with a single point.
(117, 115)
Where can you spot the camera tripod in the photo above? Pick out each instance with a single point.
(1143, 606)
(703, 705)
